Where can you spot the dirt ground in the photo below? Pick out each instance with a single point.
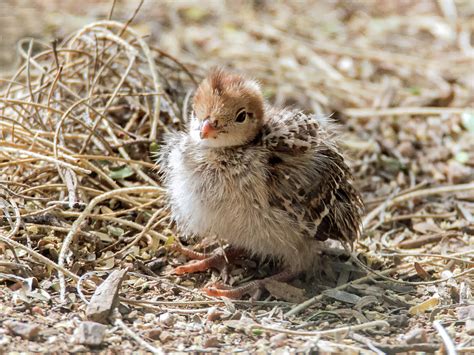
(81, 119)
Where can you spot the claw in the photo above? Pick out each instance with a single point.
(218, 260)
(219, 290)
(198, 266)
(254, 288)
(202, 261)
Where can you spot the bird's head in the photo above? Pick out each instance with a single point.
(228, 110)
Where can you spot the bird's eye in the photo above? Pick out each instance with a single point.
(241, 117)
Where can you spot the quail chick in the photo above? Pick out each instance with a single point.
(268, 181)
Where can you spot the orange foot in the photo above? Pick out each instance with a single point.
(253, 288)
(203, 261)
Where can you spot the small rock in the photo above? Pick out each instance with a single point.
(406, 149)
(457, 172)
(465, 312)
(211, 342)
(213, 314)
(398, 320)
(278, 340)
(105, 298)
(132, 315)
(149, 317)
(166, 336)
(37, 310)
(415, 336)
(78, 349)
(155, 333)
(28, 331)
(167, 319)
(196, 319)
(90, 333)
(470, 326)
(4, 340)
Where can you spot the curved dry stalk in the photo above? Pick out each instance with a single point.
(448, 343)
(122, 160)
(319, 333)
(398, 111)
(138, 237)
(121, 221)
(412, 283)
(151, 63)
(39, 257)
(28, 83)
(45, 158)
(435, 256)
(82, 217)
(154, 350)
(207, 302)
(308, 303)
(419, 193)
(28, 103)
(132, 209)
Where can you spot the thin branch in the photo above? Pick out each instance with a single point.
(308, 303)
(77, 224)
(448, 343)
(420, 193)
(347, 329)
(154, 350)
(398, 111)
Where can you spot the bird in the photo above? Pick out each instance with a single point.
(270, 182)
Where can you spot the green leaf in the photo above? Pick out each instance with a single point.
(462, 157)
(390, 164)
(115, 231)
(170, 241)
(468, 120)
(415, 90)
(121, 173)
(154, 147)
(195, 13)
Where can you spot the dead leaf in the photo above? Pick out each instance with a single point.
(424, 306)
(285, 291)
(426, 239)
(365, 301)
(105, 298)
(422, 273)
(342, 296)
(426, 226)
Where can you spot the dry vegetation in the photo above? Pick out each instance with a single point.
(81, 118)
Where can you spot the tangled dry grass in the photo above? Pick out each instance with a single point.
(81, 119)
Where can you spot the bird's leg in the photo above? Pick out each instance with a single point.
(203, 261)
(253, 287)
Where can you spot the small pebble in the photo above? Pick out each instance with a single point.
(28, 331)
(167, 319)
(132, 315)
(155, 333)
(37, 310)
(278, 340)
(470, 326)
(166, 336)
(149, 317)
(213, 314)
(416, 335)
(211, 342)
(90, 333)
(407, 149)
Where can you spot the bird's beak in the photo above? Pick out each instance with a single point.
(207, 131)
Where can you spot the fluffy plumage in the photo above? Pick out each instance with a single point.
(275, 184)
